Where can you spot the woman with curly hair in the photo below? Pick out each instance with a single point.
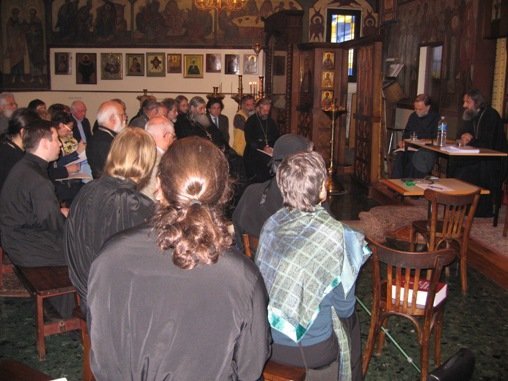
(171, 299)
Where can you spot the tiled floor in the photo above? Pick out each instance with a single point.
(477, 321)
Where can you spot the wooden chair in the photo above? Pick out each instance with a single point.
(47, 282)
(450, 221)
(273, 371)
(5, 267)
(250, 244)
(401, 268)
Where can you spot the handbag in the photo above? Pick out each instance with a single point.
(459, 367)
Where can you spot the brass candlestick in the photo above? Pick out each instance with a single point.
(333, 186)
(238, 96)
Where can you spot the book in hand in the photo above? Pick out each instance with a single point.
(423, 290)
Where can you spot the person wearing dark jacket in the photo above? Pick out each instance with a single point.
(11, 144)
(109, 204)
(111, 120)
(261, 200)
(171, 299)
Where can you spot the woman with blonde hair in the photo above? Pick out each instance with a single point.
(109, 204)
(181, 303)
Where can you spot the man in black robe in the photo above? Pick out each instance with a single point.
(261, 132)
(111, 120)
(482, 128)
(31, 220)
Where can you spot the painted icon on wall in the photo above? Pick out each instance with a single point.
(135, 64)
(193, 65)
(86, 68)
(155, 65)
(111, 66)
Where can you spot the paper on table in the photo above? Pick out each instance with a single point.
(465, 149)
(437, 187)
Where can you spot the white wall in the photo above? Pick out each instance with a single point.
(65, 90)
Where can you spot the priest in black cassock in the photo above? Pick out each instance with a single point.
(31, 220)
(261, 132)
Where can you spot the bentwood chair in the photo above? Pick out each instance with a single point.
(273, 371)
(395, 295)
(449, 223)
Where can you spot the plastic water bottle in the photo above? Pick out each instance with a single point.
(442, 131)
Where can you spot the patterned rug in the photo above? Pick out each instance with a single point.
(379, 221)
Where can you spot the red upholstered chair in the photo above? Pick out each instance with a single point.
(395, 295)
(273, 371)
(450, 221)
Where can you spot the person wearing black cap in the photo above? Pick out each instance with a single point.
(261, 200)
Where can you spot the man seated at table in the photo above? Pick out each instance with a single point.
(302, 244)
(423, 123)
(482, 127)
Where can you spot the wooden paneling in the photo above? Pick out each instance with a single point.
(368, 151)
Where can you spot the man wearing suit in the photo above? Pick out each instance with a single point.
(214, 108)
(82, 132)
(111, 119)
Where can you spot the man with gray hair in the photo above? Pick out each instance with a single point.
(261, 200)
(150, 108)
(163, 133)
(7, 107)
(196, 123)
(111, 120)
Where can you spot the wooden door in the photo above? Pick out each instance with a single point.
(368, 152)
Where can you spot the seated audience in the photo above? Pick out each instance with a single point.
(422, 122)
(31, 220)
(171, 299)
(300, 245)
(111, 120)
(182, 104)
(163, 133)
(482, 127)
(261, 200)
(261, 132)
(109, 204)
(11, 144)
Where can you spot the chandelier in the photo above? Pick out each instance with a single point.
(219, 5)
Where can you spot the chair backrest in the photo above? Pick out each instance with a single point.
(451, 217)
(250, 244)
(404, 271)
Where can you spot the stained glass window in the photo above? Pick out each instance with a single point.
(344, 25)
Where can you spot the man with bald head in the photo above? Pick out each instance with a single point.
(163, 133)
(82, 130)
(111, 119)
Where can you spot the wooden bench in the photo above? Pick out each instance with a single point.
(47, 282)
(274, 371)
